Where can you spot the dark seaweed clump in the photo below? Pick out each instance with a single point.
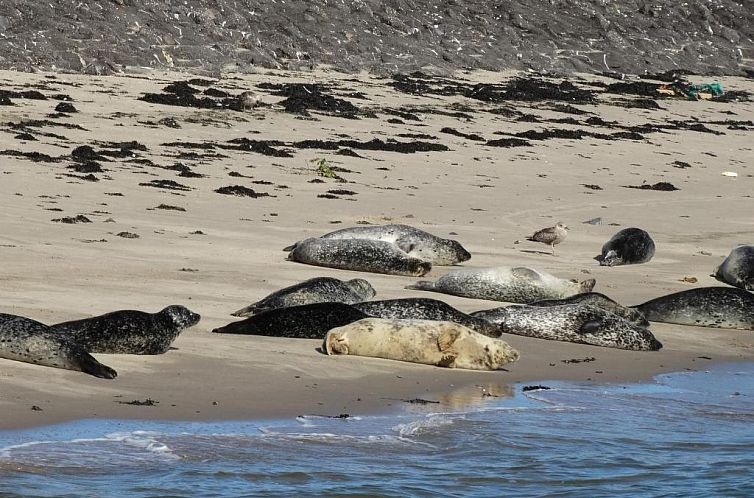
(73, 219)
(258, 146)
(180, 93)
(661, 186)
(166, 184)
(302, 97)
(241, 191)
(374, 144)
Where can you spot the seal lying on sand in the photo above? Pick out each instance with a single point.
(444, 344)
(314, 290)
(129, 331)
(738, 268)
(580, 323)
(374, 256)
(416, 243)
(599, 301)
(426, 309)
(310, 321)
(503, 283)
(628, 247)
(719, 307)
(23, 339)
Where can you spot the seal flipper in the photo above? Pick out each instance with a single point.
(405, 246)
(525, 273)
(749, 284)
(422, 285)
(249, 310)
(590, 327)
(446, 339)
(91, 366)
(290, 247)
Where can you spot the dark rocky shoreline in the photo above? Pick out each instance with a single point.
(555, 36)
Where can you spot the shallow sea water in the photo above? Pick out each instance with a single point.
(684, 434)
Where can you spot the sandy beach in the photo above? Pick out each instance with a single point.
(150, 243)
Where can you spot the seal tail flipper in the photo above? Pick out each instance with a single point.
(249, 310)
(290, 247)
(91, 366)
(422, 285)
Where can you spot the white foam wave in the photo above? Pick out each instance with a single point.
(142, 441)
(430, 422)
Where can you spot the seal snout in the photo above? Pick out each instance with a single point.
(654, 344)
(422, 268)
(461, 253)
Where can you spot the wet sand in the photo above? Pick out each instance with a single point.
(222, 252)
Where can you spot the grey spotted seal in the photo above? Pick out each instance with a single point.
(580, 323)
(309, 321)
(719, 307)
(129, 331)
(443, 344)
(314, 290)
(599, 301)
(29, 341)
(375, 256)
(629, 246)
(426, 309)
(738, 268)
(503, 283)
(415, 242)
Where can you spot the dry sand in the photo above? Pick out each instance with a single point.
(486, 197)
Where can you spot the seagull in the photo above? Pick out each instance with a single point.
(249, 99)
(551, 235)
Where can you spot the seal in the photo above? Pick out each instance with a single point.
(29, 341)
(718, 307)
(629, 246)
(376, 256)
(426, 309)
(738, 268)
(415, 242)
(309, 321)
(580, 323)
(599, 301)
(129, 331)
(314, 290)
(504, 283)
(443, 344)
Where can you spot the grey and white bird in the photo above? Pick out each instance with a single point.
(249, 99)
(550, 236)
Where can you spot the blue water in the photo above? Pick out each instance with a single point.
(685, 434)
